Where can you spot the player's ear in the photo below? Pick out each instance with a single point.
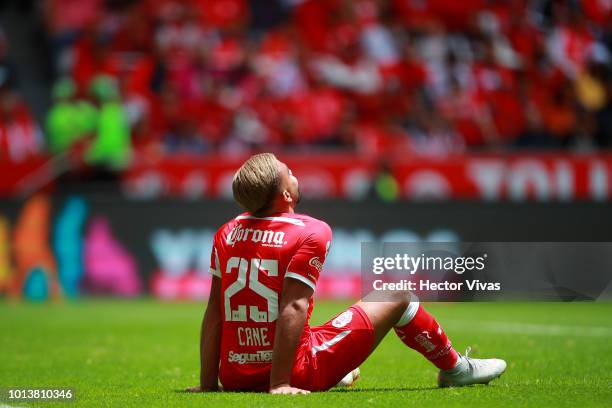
(287, 196)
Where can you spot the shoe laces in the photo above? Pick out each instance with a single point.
(473, 363)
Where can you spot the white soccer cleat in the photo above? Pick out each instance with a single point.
(350, 378)
(471, 371)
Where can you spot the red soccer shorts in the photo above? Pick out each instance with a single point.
(333, 350)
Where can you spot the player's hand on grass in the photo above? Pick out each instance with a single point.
(286, 389)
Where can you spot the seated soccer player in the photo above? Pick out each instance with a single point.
(265, 264)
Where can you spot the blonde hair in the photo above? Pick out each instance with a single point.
(256, 182)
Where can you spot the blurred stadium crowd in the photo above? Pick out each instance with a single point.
(424, 76)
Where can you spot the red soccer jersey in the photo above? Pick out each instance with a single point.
(252, 256)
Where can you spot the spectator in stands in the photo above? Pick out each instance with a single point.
(65, 21)
(111, 146)
(559, 114)
(200, 75)
(20, 136)
(385, 187)
(69, 119)
(535, 136)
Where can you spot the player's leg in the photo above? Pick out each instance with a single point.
(343, 343)
(420, 331)
(386, 315)
(335, 351)
(413, 325)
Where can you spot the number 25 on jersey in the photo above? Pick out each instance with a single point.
(253, 268)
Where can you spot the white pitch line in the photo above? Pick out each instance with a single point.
(537, 329)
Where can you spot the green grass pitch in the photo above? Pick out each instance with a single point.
(143, 353)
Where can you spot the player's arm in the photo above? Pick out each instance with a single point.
(210, 341)
(289, 326)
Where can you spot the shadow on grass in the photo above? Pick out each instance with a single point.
(379, 389)
(334, 390)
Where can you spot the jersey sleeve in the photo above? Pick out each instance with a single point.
(215, 266)
(307, 263)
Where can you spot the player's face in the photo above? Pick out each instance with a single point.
(290, 183)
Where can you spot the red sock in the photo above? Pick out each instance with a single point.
(425, 335)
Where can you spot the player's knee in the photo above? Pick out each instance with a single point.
(401, 299)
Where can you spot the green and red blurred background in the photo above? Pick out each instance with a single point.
(122, 122)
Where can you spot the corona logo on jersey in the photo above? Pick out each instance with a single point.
(264, 237)
(316, 263)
